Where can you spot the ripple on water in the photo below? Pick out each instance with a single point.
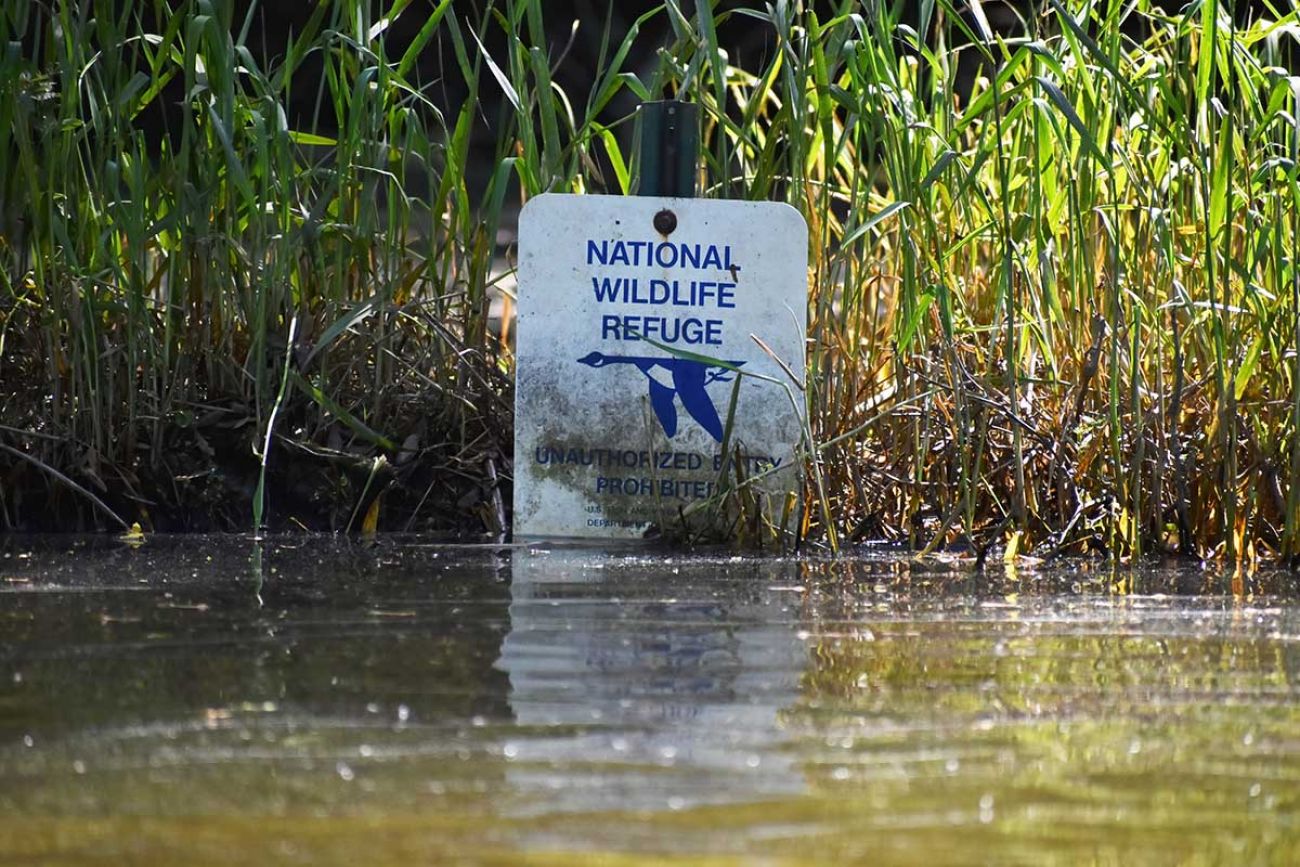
(210, 700)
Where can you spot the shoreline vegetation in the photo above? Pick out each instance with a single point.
(1054, 299)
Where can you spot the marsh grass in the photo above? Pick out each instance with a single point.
(1053, 307)
(179, 316)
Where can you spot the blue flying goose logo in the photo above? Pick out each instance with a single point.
(678, 378)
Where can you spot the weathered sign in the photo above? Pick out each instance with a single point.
(636, 326)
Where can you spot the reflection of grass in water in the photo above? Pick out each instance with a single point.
(1054, 748)
(1062, 304)
(847, 828)
(892, 777)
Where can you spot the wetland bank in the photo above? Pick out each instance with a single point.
(248, 280)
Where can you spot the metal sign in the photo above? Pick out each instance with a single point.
(637, 320)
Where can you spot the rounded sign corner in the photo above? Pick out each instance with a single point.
(791, 213)
(533, 204)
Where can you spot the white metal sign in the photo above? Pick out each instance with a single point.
(636, 324)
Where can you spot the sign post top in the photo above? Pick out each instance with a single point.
(669, 148)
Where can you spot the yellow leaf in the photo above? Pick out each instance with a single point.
(371, 522)
(134, 536)
(1013, 546)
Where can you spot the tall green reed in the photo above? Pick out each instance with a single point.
(164, 282)
(1091, 162)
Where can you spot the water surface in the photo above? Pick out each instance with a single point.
(213, 701)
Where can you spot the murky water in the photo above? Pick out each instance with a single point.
(201, 701)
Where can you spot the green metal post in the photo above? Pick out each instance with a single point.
(669, 149)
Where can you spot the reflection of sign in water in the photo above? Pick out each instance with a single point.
(675, 315)
(679, 378)
(619, 670)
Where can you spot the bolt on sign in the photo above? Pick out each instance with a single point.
(637, 319)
